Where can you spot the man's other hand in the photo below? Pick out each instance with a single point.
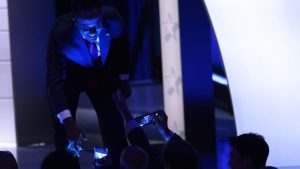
(125, 88)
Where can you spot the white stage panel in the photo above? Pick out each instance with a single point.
(171, 64)
(259, 42)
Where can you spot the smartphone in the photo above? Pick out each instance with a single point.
(101, 158)
(146, 119)
(100, 153)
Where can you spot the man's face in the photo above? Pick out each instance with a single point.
(236, 160)
(89, 25)
(89, 28)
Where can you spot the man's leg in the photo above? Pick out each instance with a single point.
(111, 124)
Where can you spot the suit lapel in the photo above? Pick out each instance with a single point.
(83, 49)
(77, 51)
(104, 44)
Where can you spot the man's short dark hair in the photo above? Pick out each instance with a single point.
(180, 154)
(85, 6)
(252, 145)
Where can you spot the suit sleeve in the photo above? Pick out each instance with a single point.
(56, 75)
(120, 50)
(120, 47)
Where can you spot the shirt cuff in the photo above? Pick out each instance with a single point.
(124, 76)
(130, 125)
(63, 115)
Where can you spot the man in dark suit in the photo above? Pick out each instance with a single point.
(88, 52)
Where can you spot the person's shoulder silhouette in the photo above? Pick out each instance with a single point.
(7, 160)
(59, 159)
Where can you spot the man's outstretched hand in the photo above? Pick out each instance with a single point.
(75, 137)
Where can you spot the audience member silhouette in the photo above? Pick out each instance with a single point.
(248, 151)
(179, 154)
(59, 159)
(134, 157)
(269, 167)
(7, 160)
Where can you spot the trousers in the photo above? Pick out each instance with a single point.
(99, 88)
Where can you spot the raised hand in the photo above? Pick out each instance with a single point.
(162, 122)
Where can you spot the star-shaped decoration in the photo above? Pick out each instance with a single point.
(173, 83)
(172, 28)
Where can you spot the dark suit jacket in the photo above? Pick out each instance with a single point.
(69, 61)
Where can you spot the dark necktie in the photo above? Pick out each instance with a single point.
(93, 50)
(94, 53)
